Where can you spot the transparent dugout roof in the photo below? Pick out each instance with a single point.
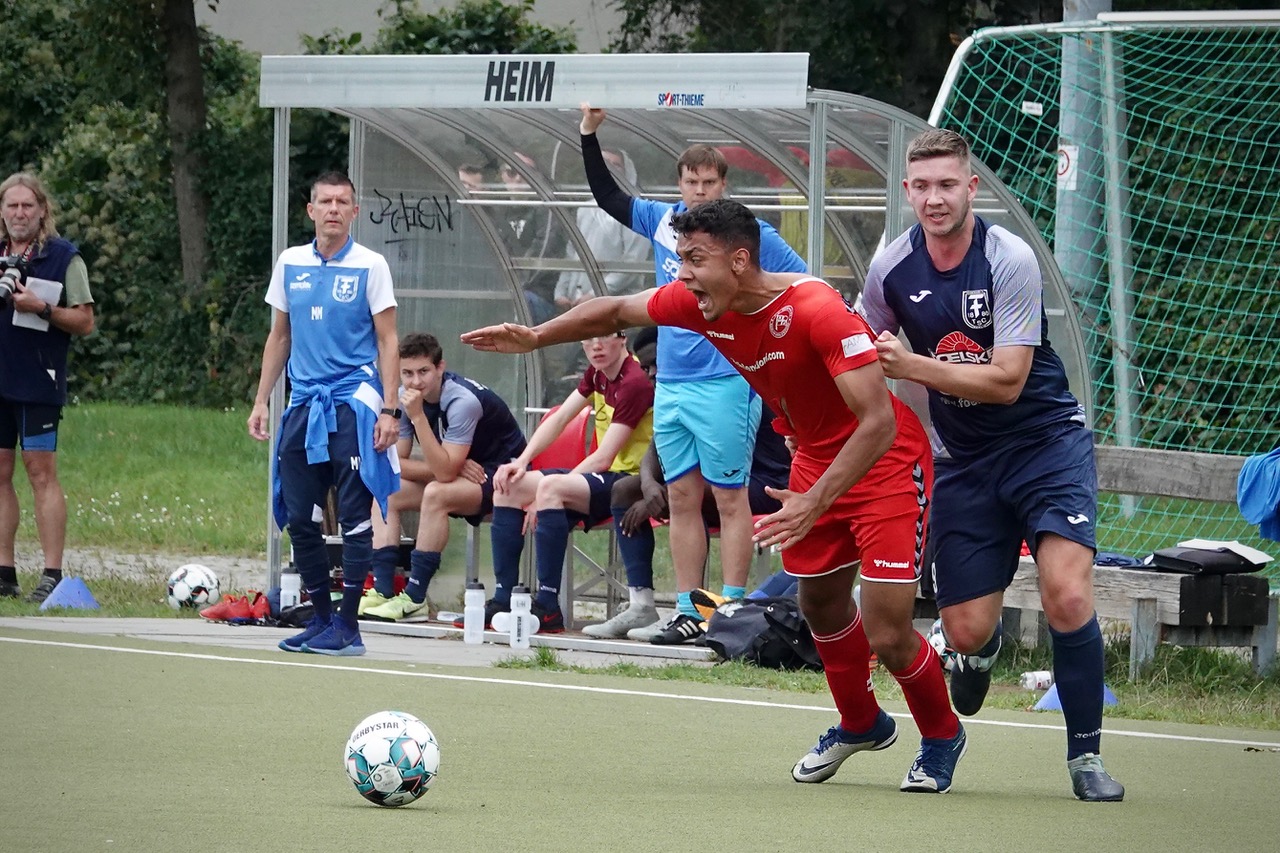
(519, 237)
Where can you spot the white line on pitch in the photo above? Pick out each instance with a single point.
(615, 691)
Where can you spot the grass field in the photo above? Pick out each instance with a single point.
(145, 746)
(163, 479)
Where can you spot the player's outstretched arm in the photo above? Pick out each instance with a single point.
(600, 316)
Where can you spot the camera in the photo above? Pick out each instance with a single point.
(12, 270)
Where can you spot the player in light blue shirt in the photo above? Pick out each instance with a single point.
(334, 325)
(704, 414)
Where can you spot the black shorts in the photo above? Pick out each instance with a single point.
(34, 424)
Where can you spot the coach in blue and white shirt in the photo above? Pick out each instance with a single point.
(334, 325)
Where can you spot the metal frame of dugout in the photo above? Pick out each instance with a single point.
(415, 119)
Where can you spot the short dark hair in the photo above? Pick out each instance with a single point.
(421, 345)
(644, 336)
(332, 178)
(698, 156)
(725, 220)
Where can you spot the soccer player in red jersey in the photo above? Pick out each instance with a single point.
(860, 478)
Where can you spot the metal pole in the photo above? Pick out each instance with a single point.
(275, 406)
(1078, 215)
(1117, 255)
(817, 186)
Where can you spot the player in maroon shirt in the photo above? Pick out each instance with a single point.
(859, 482)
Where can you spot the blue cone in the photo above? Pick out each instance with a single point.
(71, 593)
(1050, 701)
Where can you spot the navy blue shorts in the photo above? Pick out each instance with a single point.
(486, 500)
(985, 508)
(601, 486)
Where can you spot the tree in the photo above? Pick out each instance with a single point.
(471, 27)
(887, 50)
(188, 113)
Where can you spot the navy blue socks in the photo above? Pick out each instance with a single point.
(1078, 673)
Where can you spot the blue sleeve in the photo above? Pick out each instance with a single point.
(775, 254)
(647, 214)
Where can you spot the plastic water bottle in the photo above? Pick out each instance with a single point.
(290, 589)
(521, 616)
(473, 613)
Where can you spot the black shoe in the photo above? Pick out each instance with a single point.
(43, 590)
(10, 589)
(1091, 783)
(491, 607)
(971, 679)
(681, 629)
(549, 621)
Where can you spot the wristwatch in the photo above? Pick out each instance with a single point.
(46, 312)
(395, 413)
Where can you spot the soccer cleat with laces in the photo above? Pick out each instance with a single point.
(935, 764)
(313, 629)
(681, 628)
(43, 590)
(1091, 782)
(549, 621)
(10, 589)
(971, 678)
(230, 607)
(821, 763)
(635, 616)
(371, 598)
(338, 640)
(398, 608)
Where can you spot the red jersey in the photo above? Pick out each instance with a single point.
(789, 351)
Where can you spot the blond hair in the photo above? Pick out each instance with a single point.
(48, 224)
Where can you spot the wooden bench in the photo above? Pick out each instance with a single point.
(1235, 610)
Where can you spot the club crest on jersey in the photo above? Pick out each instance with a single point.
(345, 288)
(779, 323)
(977, 308)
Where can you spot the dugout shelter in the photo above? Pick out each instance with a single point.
(495, 243)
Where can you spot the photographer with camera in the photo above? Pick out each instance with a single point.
(44, 300)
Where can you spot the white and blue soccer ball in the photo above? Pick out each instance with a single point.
(392, 758)
(192, 586)
(946, 654)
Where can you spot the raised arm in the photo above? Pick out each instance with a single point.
(613, 199)
(593, 318)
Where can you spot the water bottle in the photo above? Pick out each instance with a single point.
(290, 589)
(473, 613)
(521, 616)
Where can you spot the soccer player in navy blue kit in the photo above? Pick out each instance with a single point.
(705, 413)
(466, 432)
(1014, 455)
(334, 325)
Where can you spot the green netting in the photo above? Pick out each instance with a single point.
(1169, 239)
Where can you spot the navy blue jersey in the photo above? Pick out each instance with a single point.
(994, 298)
(469, 413)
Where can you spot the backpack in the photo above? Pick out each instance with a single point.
(768, 632)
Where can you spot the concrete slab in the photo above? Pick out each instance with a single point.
(415, 644)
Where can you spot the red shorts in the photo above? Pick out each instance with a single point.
(880, 521)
